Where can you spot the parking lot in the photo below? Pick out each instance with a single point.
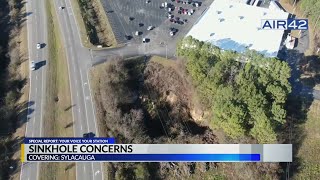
(130, 16)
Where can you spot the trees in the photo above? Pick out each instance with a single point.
(245, 98)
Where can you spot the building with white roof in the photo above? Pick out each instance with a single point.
(236, 26)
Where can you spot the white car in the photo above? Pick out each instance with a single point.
(150, 28)
(144, 40)
(61, 7)
(38, 46)
(171, 33)
(137, 33)
(33, 66)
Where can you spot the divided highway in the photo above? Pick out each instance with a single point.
(79, 62)
(37, 33)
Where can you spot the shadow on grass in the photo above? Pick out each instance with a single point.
(298, 105)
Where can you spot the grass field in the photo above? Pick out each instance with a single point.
(309, 150)
(56, 118)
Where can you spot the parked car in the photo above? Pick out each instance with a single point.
(150, 28)
(137, 33)
(145, 40)
(128, 37)
(38, 46)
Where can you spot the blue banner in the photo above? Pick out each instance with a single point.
(146, 157)
(62, 140)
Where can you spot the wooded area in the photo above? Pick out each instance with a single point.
(11, 83)
(246, 93)
(148, 102)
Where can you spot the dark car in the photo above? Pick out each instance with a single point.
(128, 37)
(89, 135)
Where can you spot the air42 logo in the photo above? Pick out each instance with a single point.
(284, 24)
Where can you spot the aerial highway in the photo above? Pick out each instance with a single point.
(37, 33)
(79, 62)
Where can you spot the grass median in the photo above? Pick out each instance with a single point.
(57, 114)
(84, 21)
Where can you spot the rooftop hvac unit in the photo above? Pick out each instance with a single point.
(221, 19)
(256, 3)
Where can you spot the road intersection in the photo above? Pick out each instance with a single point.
(79, 62)
(80, 59)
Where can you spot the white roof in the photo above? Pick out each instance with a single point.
(236, 26)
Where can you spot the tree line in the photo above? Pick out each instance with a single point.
(11, 18)
(246, 93)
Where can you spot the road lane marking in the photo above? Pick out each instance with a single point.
(94, 116)
(77, 25)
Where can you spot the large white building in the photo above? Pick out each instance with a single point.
(236, 26)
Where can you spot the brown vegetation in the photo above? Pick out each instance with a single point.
(150, 102)
(96, 22)
(56, 118)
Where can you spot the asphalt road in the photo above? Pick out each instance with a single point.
(79, 62)
(37, 33)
